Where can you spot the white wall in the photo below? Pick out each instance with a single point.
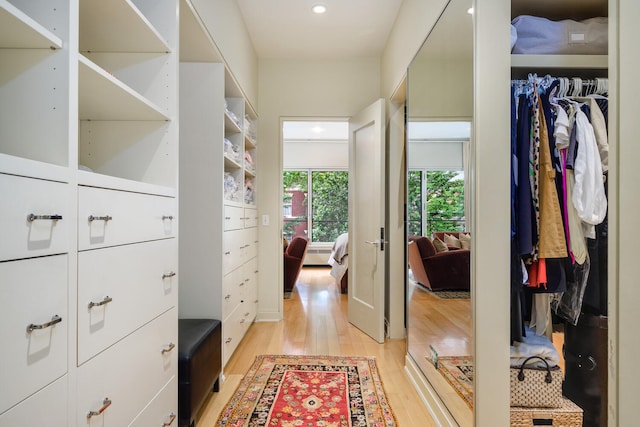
(287, 89)
(227, 28)
(414, 21)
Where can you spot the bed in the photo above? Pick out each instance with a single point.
(339, 261)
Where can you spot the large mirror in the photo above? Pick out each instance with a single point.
(439, 116)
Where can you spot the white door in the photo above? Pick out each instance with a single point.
(366, 220)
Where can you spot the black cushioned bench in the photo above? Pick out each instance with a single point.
(199, 365)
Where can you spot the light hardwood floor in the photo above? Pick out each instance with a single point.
(315, 323)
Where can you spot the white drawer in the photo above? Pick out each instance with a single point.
(111, 217)
(232, 242)
(233, 219)
(24, 238)
(162, 410)
(48, 407)
(250, 278)
(135, 283)
(128, 374)
(250, 243)
(32, 291)
(250, 217)
(232, 333)
(231, 291)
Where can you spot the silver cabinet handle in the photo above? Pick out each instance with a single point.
(227, 341)
(172, 418)
(167, 275)
(55, 319)
(228, 253)
(227, 218)
(106, 300)
(169, 217)
(104, 218)
(242, 320)
(32, 217)
(105, 404)
(246, 314)
(227, 296)
(170, 347)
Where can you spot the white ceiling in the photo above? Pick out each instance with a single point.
(285, 29)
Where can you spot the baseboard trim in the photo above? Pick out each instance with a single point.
(428, 395)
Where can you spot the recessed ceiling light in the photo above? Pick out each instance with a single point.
(319, 8)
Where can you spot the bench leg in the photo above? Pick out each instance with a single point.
(216, 385)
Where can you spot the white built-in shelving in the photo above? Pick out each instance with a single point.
(88, 165)
(218, 236)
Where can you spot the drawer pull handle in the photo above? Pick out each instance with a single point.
(168, 275)
(227, 341)
(255, 301)
(105, 404)
(227, 296)
(32, 217)
(228, 253)
(242, 320)
(106, 300)
(227, 218)
(246, 314)
(241, 284)
(169, 217)
(104, 218)
(170, 347)
(172, 418)
(55, 319)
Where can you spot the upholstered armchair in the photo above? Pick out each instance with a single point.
(293, 259)
(449, 270)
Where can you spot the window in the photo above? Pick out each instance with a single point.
(322, 214)
(441, 208)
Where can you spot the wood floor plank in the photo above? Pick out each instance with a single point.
(315, 323)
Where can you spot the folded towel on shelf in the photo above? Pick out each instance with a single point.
(534, 345)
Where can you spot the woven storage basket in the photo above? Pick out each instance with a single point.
(568, 415)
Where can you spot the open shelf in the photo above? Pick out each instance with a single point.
(103, 97)
(560, 61)
(18, 30)
(93, 179)
(117, 26)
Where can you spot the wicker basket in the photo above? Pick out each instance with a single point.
(568, 415)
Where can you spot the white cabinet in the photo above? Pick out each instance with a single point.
(88, 165)
(35, 222)
(125, 378)
(109, 217)
(51, 411)
(117, 297)
(218, 182)
(33, 300)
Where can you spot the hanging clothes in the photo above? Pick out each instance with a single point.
(559, 152)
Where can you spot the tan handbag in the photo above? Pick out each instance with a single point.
(533, 387)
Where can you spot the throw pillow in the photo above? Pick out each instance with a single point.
(440, 245)
(465, 240)
(452, 241)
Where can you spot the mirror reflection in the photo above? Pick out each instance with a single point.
(439, 115)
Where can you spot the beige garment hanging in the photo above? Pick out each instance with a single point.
(552, 242)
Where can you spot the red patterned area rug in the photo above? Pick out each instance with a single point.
(458, 371)
(309, 391)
